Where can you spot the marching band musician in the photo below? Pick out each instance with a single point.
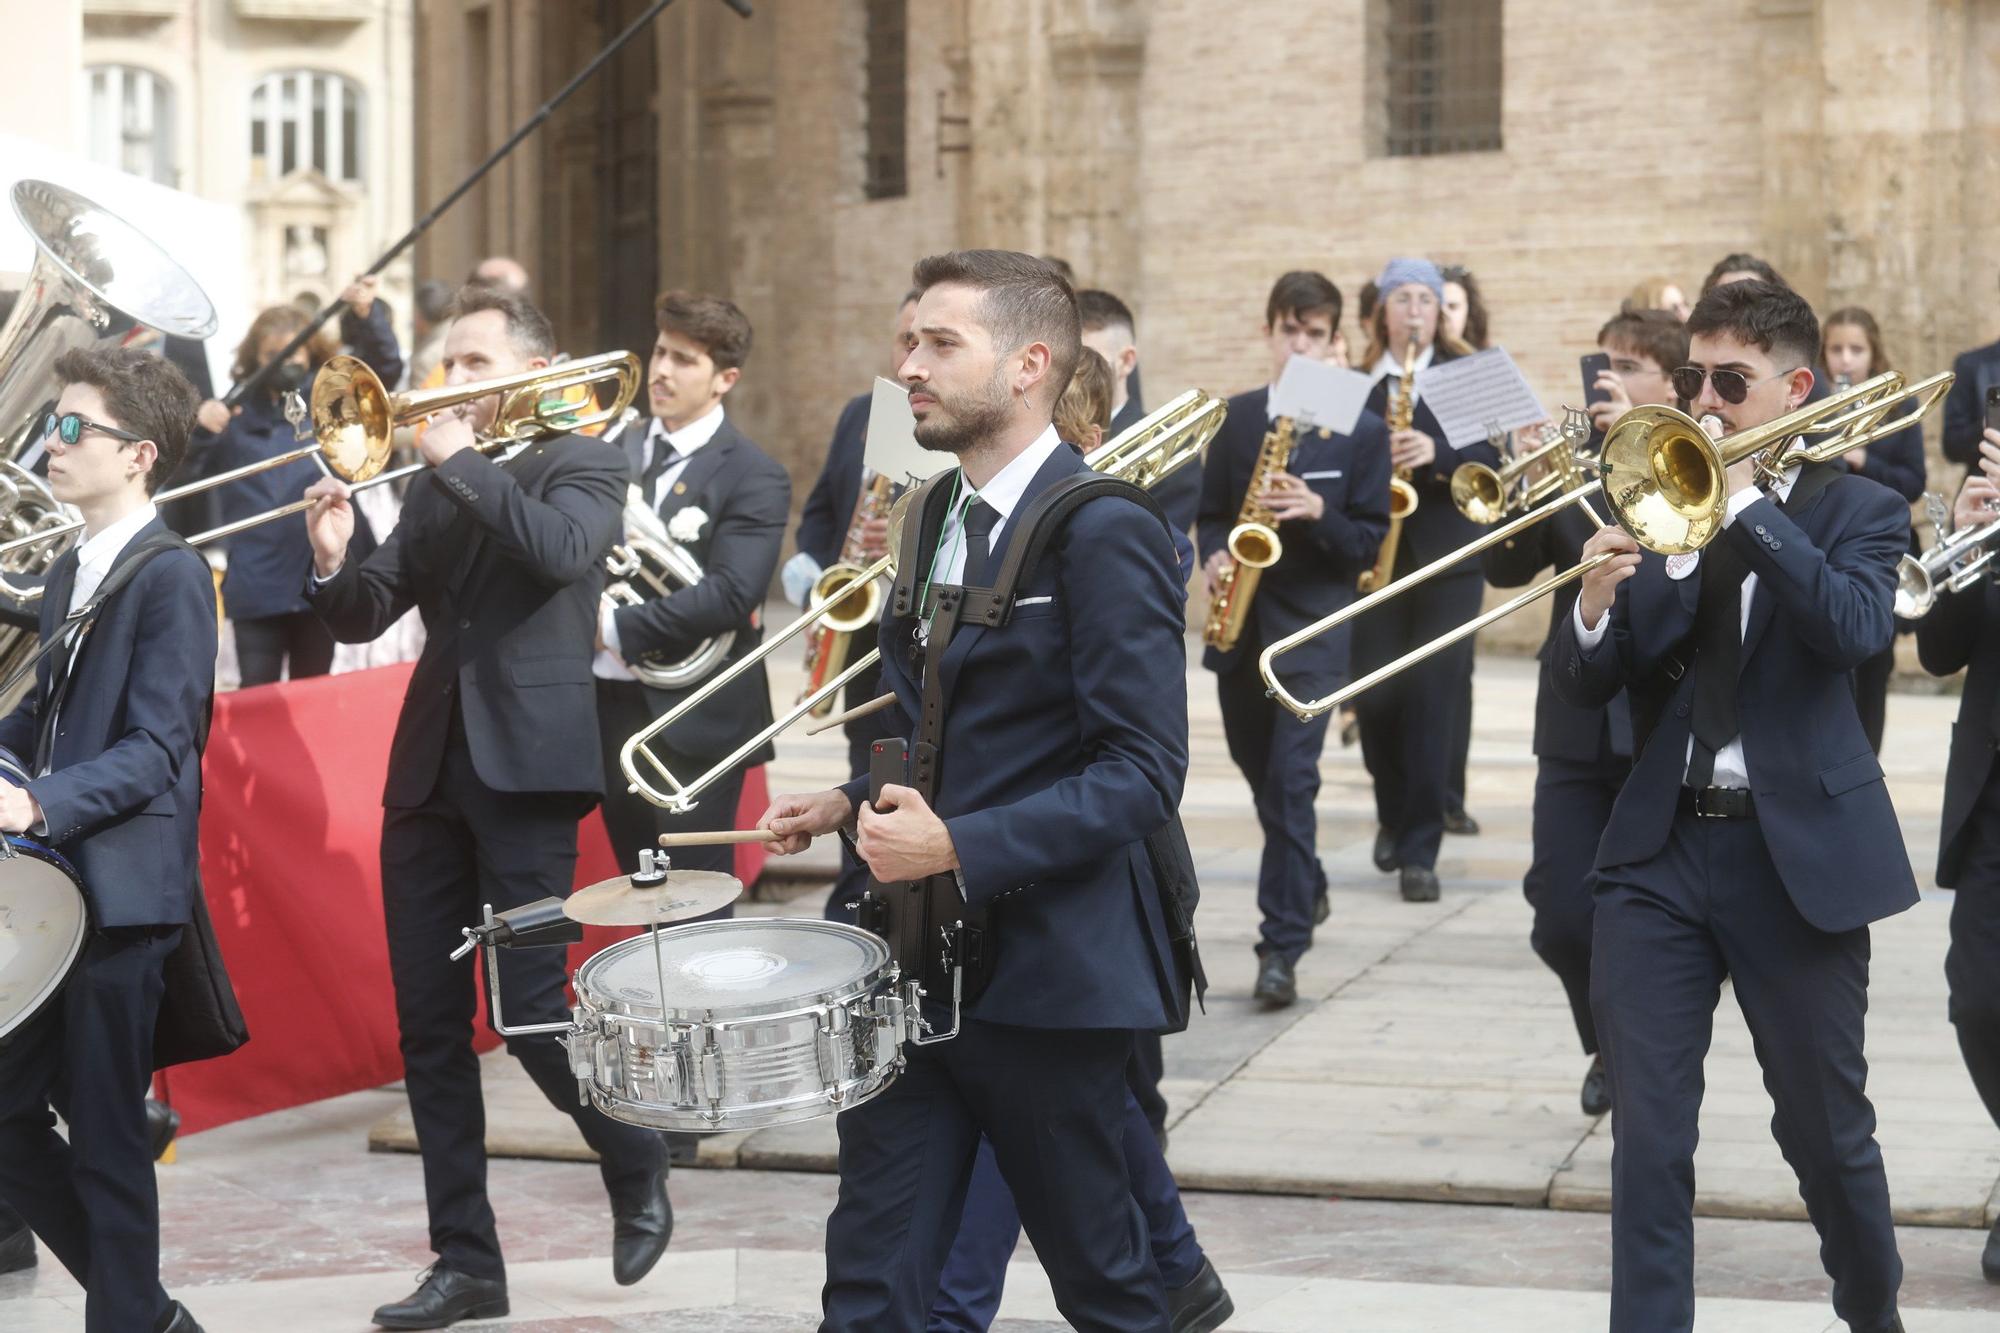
(823, 529)
(1754, 839)
(1464, 317)
(1582, 753)
(118, 792)
(1963, 633)
(1409, 721)
(1332, 506)
(486, 780)
(1061, 747)
(725, 502)
(1851, 351)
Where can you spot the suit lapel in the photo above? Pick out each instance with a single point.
(1762, 605)
(706, 462)
(1062, 463)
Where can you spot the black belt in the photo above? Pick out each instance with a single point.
(1718, 802)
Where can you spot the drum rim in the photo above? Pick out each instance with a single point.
(86, 922)
(591, 1000)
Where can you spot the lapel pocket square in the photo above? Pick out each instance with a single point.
(1033, 601)
(1332, 474)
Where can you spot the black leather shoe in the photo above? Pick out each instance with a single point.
(1276, 987)
(1202, 1304)
(1596, 1096)
(640, 1232)
(1457, 821)
(1322, 909)
(176, 1320)
(17, 1250)
(1386, 859)
(444, 1298)
(1420, 884)
(1989, 1261)
(162, 1123)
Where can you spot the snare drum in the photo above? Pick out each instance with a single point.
(44, 920)
(762, 1022)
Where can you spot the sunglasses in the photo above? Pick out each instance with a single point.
(70, 426)
(1731, 386)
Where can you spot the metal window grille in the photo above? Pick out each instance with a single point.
(1440, 76)
(303, 118)
(886, 168)
(132, 121)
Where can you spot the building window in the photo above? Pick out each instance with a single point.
(301, 118)
(886, 168)
(1436, 72)
(132, 121)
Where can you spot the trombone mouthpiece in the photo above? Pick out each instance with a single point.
(1713, 425)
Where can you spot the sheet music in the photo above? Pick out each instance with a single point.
(1318, 396)
(1478, 393)
(892, 449)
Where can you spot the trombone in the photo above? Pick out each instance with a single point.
(1486, 494)
(1143, 453)
(1667, 484)
(353, 424)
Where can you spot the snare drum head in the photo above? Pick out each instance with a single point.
(737, 967)
(43, 922)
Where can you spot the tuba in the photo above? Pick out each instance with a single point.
(96, 281)
(648, 564)
(1253, 543)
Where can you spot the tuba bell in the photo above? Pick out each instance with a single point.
(95, 281)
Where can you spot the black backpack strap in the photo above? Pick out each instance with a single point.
(1041, 523)
(925, 514)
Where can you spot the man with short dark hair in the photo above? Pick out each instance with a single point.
(486, 782)
(117, 790)
(1754, 840)
(1061, 746)
(1332, 505)
(1742, 268)
(725, 501)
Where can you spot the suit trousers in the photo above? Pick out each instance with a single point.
(263, 645)
(1408, 722)
(1052, 1102)
(975, 1276)
(633, 822)
(1972, 963)
(1667, 933)
(465, 847)
(92, 1198)
(1572, 805)
(1278, 756)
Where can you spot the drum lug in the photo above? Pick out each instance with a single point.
(711, 1074)
(834, 1023)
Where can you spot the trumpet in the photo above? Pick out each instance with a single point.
(1486, 494)
(1147, 451)
(354, 418)
(1667, 484)
(1951, 564)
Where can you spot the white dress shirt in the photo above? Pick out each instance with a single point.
(609, 664)
(1730, 770)
(1002, 495)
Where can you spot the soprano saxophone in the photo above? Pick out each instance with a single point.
(1402, 495)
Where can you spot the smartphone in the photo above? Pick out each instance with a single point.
(1993, 407)
(1594, 365)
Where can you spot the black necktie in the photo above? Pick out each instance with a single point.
(980, 519)
(1718, 657)
(663, 458)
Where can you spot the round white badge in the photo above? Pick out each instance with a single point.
(1682, 565)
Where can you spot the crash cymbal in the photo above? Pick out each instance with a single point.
(683, 894)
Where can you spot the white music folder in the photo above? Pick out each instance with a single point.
(892, 449)
(1317, 396)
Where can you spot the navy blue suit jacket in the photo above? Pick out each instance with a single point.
(1322, 559)
(823, 521)
(1437, 528)
(1064, 747)
(1563, 730)
(1825, 578)
(1963, 633)
(1965, 402)
(505, 564)
(123, 793)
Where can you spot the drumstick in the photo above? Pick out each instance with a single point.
(874, 705)
(718, 838)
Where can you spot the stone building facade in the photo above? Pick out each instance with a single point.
(1184, 152)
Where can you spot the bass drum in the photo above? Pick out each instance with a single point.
(44, 921)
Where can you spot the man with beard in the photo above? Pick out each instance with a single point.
(1061, 746)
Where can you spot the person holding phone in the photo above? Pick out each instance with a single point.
(1969, 407)
(1851, 351)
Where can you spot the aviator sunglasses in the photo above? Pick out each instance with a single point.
(1731, 386)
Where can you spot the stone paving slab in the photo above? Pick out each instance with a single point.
(1431, 1056)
